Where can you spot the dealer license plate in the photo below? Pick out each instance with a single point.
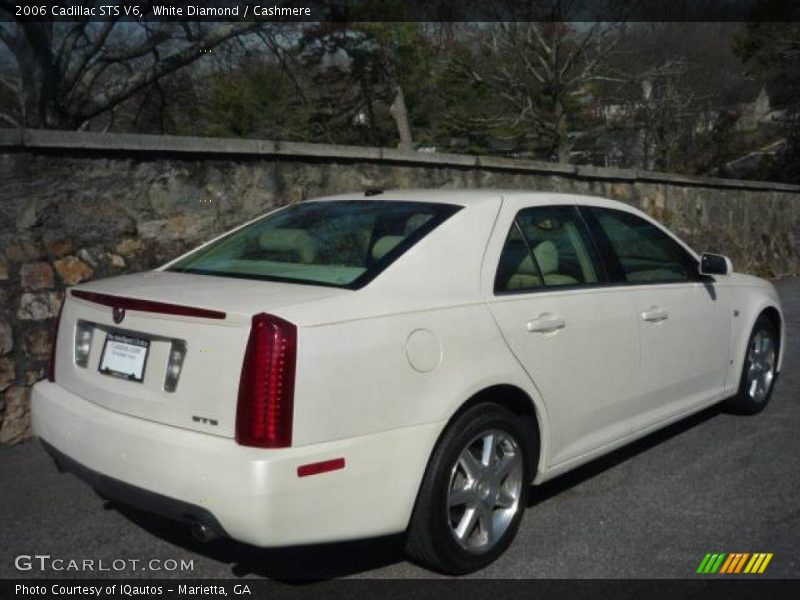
(124, 356)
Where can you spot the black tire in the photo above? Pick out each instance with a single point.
(431, 538)
(746, 402)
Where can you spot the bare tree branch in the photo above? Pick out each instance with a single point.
(61, 69)
(86, 55)
(542, 71)
(268, 37)
(9, 119)
(125, 89)
(68, 44)
(8, 39)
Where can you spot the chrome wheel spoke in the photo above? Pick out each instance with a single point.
(470, 464)
(460, 497)
(466, 524)
(486, 519)
(505, 499)
(487, 452)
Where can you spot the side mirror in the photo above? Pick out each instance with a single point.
(715, 264)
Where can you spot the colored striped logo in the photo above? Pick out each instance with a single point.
(735, 562)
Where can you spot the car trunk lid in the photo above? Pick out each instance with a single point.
(138, 322)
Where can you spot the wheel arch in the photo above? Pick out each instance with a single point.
(774, 314)
(518, 401)
(515, 399)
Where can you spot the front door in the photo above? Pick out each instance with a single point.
(684, 321)
(576, 338)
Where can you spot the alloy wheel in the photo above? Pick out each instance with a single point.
(760, 366)
(484, 491)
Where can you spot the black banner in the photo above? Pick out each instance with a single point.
(440, 589)
(400, 10)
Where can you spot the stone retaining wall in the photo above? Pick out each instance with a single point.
(81, 206)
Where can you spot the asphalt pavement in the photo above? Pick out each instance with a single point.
(712, 483)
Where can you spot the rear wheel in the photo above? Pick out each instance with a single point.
(759, 369)
(474, 492)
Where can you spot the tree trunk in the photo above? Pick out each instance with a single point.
(563, 145)
(564, 150)
(399, 113)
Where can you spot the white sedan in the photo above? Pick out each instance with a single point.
(381, 362)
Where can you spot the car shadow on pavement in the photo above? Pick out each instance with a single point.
(296, 564)
(554, 487)
(307, 564)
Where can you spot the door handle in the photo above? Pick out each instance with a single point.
(655, 314)
(546, 322)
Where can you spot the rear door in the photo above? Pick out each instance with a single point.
(575, 337)
(683, 318)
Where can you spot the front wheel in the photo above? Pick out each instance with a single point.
(759, 370)
(474, 492)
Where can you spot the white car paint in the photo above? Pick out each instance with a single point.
(381, 370)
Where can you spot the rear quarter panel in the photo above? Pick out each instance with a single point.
(355, 374)
(357, 377)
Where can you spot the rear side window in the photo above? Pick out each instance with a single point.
(337, 243)
(546, 247)
(644, 252)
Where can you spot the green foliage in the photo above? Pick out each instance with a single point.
(256, 100)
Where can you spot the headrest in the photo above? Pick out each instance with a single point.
(416, 221)
(546, 255)
(385, 245)
(297, 241)
(526, 266)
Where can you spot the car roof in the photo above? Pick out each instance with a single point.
(467, 197)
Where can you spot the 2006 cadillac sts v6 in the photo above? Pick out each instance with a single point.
(383, 362)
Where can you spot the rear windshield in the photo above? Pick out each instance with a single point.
(338, 243)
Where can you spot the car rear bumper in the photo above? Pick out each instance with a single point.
(250, 494)
(114, 489)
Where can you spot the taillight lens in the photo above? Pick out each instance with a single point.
(51, 367)
(177, 353)
(83, 343)
(266, 386)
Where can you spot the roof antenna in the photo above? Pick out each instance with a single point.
(372, 192)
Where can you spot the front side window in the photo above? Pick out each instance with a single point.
(547, 246)
(334, 243)
(645, 253)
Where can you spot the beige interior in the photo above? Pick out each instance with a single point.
(385, 244)
(546, 255)
(295, 241)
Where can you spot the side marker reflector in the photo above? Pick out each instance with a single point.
(320, 467)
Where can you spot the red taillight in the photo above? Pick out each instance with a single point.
(266, 387)
(51, 367)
